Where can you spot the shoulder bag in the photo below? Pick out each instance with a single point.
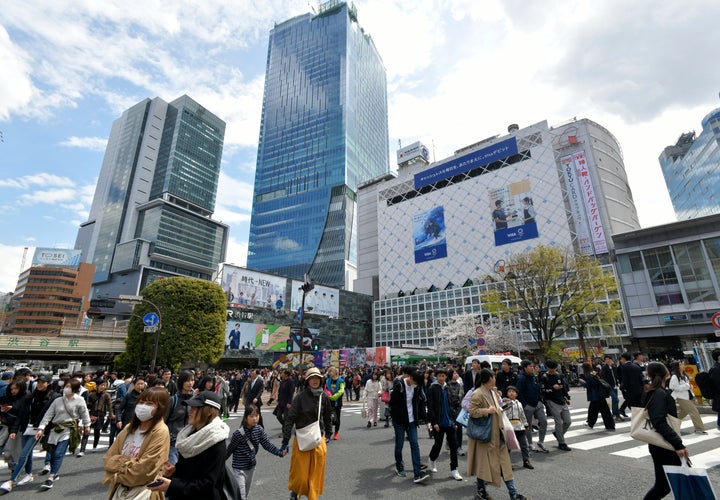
(480, 428)
(641, 427)
(309, 437)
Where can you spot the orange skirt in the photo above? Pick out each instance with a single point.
(307, 471)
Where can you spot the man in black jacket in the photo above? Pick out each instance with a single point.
(557, 398)
(631, 380)
(442, 418)
(609, 375)
(404, 408)
(254, 392)
(285, 395)
(505, 377)
(469, 377)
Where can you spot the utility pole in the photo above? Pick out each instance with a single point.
(305, 288)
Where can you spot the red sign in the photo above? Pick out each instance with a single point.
(715, 320)
(480, 330)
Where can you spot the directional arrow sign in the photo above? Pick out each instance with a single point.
(151, 319)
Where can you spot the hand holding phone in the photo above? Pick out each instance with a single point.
(155, 483)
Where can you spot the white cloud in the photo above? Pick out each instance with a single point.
(91, 143)
(237, 250)
(48, 196)
(12, 265)
(233, 202)
(16, 87)
(41, 179)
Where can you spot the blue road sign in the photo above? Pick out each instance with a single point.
(300, 313)
(151, 319)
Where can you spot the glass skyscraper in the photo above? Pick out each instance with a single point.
(324, 129)
(151, 214)
(692, 170)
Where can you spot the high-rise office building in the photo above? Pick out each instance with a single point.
(151, 214)
(692, 170)
(324, 129)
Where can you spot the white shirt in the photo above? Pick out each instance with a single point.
(679, 388)
(409, 391)
(132, 444)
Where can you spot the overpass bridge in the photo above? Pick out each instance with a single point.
(96, 345)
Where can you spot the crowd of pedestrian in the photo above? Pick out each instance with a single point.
(168, 434)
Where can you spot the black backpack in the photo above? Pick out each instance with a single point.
(605, 388)
(705, 383)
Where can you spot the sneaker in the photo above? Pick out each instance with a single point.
(422, 478)
(369, 424)
(533, 447)
(563, 447)
(47, 484)
(293, 495)
(518, 496)
(45, 470)
(80, 454)
(374, 424)
(700, 432)
(423, 467)
(460, 452)
(455, 475)
(482, 495)
(542, 448)
(27, 479)
(588, 425)
(431, 466)
(400, 472)
(6, 487)
(528, 465)
(609, 429)
(336, 436)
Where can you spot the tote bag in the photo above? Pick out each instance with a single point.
(123, 492)
(480, 428)
(641, 427)
(689, 482)
(309, 437)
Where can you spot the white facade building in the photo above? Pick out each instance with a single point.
(448, 225)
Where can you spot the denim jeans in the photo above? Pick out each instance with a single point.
(58, 454)
(412, 435)
(615, 401)
(173, 456)
(28, 443)
(510, 486)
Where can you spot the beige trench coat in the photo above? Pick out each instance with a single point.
(487, 460)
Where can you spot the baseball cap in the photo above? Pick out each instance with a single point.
(7, 375)
(44, 377)
(205, 398)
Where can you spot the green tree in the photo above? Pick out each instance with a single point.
(553, 291)
(193, 324)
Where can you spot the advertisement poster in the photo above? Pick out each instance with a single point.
(513, 213)
(56, 257)
(429, 235)
(592, 211)
(265, 337)
(577, 205)
(249, 288)
(370, 356)
(320, 300)
(344, 355)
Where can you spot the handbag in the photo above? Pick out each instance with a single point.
(309, 437)
(689, 482)
(462, 418)
(479, 428)
(123, 492)
(510, 437)
(385, 396)
(641, 427)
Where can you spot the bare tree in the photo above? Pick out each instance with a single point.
(454, 338)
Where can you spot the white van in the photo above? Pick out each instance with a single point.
(495, 361)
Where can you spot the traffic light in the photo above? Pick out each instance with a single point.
(306, 287)
(315, 345)
(289, 345)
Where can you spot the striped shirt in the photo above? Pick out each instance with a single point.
(245, 443)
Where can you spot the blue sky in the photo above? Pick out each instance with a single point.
(458, 71)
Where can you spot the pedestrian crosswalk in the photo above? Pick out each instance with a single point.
(703, 448)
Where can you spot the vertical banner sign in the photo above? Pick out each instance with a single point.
(597, 233)
(429, 235)
(576, 204)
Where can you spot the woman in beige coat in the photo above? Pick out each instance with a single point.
(136, 457)
(489, 462)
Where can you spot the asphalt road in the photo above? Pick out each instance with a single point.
(602, 465)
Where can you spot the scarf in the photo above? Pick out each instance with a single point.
(190, 442)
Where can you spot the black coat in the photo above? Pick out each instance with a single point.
(285, 392)
(660, 404)
(304, 411)
(254, 391)
(201, 476)
(633, 383)
(469, 380)
(715, 377)
(434, 404)
(504, 380)
(33, 407)
(610, 375)
(398, 403)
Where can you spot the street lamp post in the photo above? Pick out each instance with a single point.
(305, 288)
(136, 299)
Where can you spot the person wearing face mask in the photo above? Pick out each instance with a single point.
(137, 456)
(127, 406)
(63, 413)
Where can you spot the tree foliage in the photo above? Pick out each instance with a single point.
(453, 339)
(553, 291)
(193, 324)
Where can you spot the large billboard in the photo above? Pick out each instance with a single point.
(250, 288)
(61, 257)
(476, 159)
(260, 336)
(597, 233)
(368, 356)
(429, 235)
(513, 213)
(577, 205)
(320, 300)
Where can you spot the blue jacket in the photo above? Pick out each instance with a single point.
(528, 389)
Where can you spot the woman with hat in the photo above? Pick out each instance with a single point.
(200, 470)
(307, 468)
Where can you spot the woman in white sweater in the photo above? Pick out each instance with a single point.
(63, 413)
(681, 391)
(372, 395)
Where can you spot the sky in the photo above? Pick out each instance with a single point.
(458, 71)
